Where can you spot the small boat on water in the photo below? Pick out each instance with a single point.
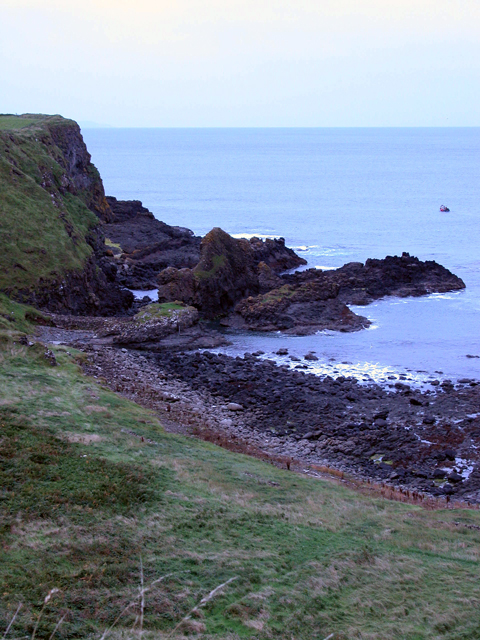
(444, 209)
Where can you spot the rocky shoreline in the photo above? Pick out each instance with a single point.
(422, 441)
(418, 441)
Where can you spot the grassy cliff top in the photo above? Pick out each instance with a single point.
(49, 191)
(11, 122)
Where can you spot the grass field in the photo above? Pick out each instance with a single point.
(95, 495)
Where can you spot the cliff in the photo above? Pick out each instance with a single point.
(52, 206)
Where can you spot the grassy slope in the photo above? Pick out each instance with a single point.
(84, 498)
(42, 230)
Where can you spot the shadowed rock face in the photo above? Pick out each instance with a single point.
(297, 310)
(275, 254)
(149, 246)
(227, 271)
(81, 177)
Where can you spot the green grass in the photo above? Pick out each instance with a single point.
(19, 122)
(15, 317)
(44, 227)
(91, 484)
(159, 310)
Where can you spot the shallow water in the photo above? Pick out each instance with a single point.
(336, 195)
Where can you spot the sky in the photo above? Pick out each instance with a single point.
(243, 63)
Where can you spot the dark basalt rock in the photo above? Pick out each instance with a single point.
(300, 310)
(147, 245)
(312, 300)
(91, 291)
(275, 254)
(393, 276)
(228, 270)
(225, 273)
(381, 436)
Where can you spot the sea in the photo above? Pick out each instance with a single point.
(336, 196)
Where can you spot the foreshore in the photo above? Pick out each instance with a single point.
(413, 441)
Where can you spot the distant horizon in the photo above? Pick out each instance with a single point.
(283, 127)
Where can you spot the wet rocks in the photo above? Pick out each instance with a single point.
(401, 276)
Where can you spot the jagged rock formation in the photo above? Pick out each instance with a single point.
(400, 276)
(313, 300)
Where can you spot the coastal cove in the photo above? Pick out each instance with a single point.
(336, 196)
(160, 479)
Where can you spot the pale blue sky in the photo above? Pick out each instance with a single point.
(243, 62)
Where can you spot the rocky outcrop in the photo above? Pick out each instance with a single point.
(314, 300)
(225, 273)
(298, 310)
(228, 270)
(154, 322)
(145, 245)
(401, 276)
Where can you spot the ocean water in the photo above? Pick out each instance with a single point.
(336, 195)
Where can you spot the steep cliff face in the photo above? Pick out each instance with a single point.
(81, 176)
(52, 203)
